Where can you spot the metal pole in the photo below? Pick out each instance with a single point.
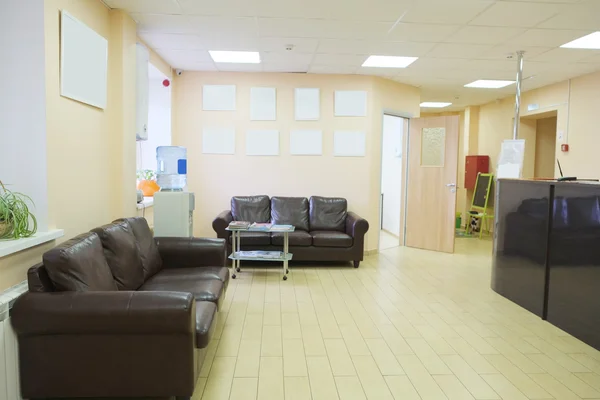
(518, 96)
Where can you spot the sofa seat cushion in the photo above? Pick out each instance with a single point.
(296, 238)
(206, 322)
(198, 273)
(79, 265)
(202, 289)
(254, 238)
(331, 239)
(328, 214)
(251, 208)
(290, 211)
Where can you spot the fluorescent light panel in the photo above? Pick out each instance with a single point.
(434, 104)
(489, 84)
(591, 41)
(389, 61)
(238, 57)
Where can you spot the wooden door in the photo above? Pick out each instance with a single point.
(432, 177)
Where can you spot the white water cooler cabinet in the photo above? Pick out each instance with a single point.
(174, 214)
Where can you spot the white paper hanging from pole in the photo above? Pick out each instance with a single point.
(510, 163)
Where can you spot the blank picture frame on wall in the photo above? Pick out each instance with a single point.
(350, 103)
(218, 97)
(349, 144)
(306, 142)
(218, 141)
(307, 104)
(262, 143)
(263, 104)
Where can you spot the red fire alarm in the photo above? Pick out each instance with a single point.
(166, 83)
(564, 147)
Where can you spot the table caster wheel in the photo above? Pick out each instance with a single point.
(233, 276)
(285, 278)
(287, 271)
(238, 269)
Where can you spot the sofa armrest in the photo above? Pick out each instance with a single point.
(221, 223)
(179, 252)
(356, 226)
(104, 313)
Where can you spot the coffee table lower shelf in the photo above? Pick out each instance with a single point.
(285, 258)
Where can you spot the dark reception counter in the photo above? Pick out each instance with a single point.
(547, 252)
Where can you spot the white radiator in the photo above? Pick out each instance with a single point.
(9, 360)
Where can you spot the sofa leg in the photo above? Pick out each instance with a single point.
(356, 264)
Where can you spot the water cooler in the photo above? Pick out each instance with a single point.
(173, 206)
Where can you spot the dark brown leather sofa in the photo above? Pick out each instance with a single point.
(117, 313)
(325, 230)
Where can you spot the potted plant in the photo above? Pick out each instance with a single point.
(16, 220)
(147, 183)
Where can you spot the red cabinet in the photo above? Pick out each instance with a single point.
(475, 165)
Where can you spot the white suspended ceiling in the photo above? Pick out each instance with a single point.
(457, 41)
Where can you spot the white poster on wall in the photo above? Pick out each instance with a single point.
(218, 97)
(263, 104)
(262, 143)
(510, 162)
(307, 104)
(350, 103)
(306, 142)
(349, 144)
(218, 141)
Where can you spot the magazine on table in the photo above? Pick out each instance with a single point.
(282, 228)
(239, 225)
(260, 254)
(260, 226)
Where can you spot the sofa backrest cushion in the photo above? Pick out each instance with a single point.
(79, 265)
(151, 260)
(38, 279)
(251, 208)
(122, 254)
(328, 213)
(290, 211)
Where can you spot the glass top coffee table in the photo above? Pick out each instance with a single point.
(237, 255)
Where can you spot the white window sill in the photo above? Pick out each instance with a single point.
(8, 247)
(147, 202)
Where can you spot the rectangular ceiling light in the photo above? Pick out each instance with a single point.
(434, 104)
(591, 41)
(489, 84)
(389, 61)
(239, 57)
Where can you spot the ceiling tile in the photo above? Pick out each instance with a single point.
(421, 32)
(444, 11)
(320, 28)
(285, 67)
(301, 45)
(504, 51)
(426, 63)
(239, 67)
(219, 27)
(291, 9)
(595, 59)
(548, 37)
(162, 23)
(232, 43)
(339, 59)
(172, 41)
(146, 6)
(286, 57)
(408, 49)
(386, 72)
(451, 50)
(331, 69)
(493, 66)
(517, 14)
(175, 57)
(372, 10)
(564, 56)
(228, 8)
(483, 35)
(195, 66)
(579, 16)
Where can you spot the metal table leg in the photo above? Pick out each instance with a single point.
(285, 252)
(239, 241)
(233, 247)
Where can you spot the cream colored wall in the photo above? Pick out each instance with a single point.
(91, 152)
(216, 178)
(545, 147)
(157, 60)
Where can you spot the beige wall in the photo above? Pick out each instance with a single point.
(216, 178)
(545, 147)
(91, 152)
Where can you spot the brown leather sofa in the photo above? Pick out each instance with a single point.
(325, 230)
(117, 313)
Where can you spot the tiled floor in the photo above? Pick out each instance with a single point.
(407, 324)
(387, 240)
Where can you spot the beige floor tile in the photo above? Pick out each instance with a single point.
(248, 359)
(420, 378)
(199, 389)
(453, 388)
(517, 377)
(472, 381)
(474, 340)
(339, 358)
(253, 326)
(587, 361)
(565, 377)
(554, 387)
(294, 360)
(428, 357)
(349, 388)
(272, 314)
(371, 379)
(210, 356)
(354, 341)
(229, 344)
(313, 341)
(402, 388)
(271, 341)
(290, 326)
(590, 378)
(297, 388)
(322, 384)
(307, 314)
(244, 388)
(394, 340)
(218, 385)
(328, 325)
(471, 356)
(270, 379)
(503, 387)
(515, 356)
(384, 358)
(559, 357)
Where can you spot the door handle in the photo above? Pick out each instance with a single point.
(451, 184)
